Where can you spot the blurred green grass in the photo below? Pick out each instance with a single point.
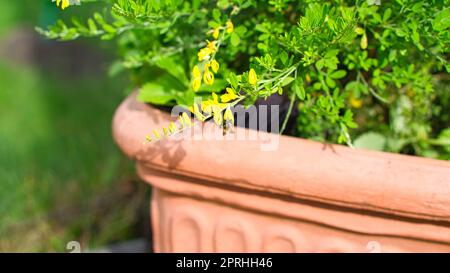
(62, 177)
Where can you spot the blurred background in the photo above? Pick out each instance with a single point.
(62, 177)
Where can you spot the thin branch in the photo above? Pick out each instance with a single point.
(291, 105)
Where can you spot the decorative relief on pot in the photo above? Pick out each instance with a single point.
(232, 234)
(280, 238)
(186, 231)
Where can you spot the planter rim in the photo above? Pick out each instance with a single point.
(396, 184)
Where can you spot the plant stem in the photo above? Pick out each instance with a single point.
(380, 98)
(291, 105)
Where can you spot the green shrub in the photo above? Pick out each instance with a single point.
(373, 72)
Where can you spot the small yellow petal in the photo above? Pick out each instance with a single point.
(208, 77)
(156, 134)
(308, 78)
(218, 118)
(65, 4)
(230, 27)
(214, 66)
(196, 72)
(172, 127)
(229, 96)
(198, 114)
(228, 115)
(186, 119)
(216, 33)
(225, 98)
(231, 92)
(354, 102)
(211, 46)
(206, 106)
(196, 83)
(204, 54)
(215, 98)
(252, 78)
(363, 43)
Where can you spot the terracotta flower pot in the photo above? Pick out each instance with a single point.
(229, 196)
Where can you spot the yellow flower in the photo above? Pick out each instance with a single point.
(207, 66)
(363, 42)
(354, 102)
(229, 96)
(64, 3)
(230, 27)
(308, 78)
(211, 46)
(186, 120)
(156, 134)
(214, 65)
(197, 78)
(228, 115)
(196, 83)
(216, 33)
(204, 54)
(207, 106)
(208, 77)
(215, 97)
(218, 119)
(172, 127)
(196, 72)
(212, 105)
(252, 78)
(196, 111)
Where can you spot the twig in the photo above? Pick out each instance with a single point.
(291, 105)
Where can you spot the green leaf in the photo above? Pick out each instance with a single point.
(359, 31)
(155, 93)
(339, 74)
(415, 37)
(284, 57)
(299, 89)
(331, 53)
(240, 30)
(371, 141)
(387, 14)
(233, 80)
(287, 81)
(330, 82)
(400, 32)
(92, 26)
(235, 40)
(319, 64)
(186, 98)
(173, 67)
(216, 15)
(317, 86)
(442, 20)
(217, 86)
(444, 138)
